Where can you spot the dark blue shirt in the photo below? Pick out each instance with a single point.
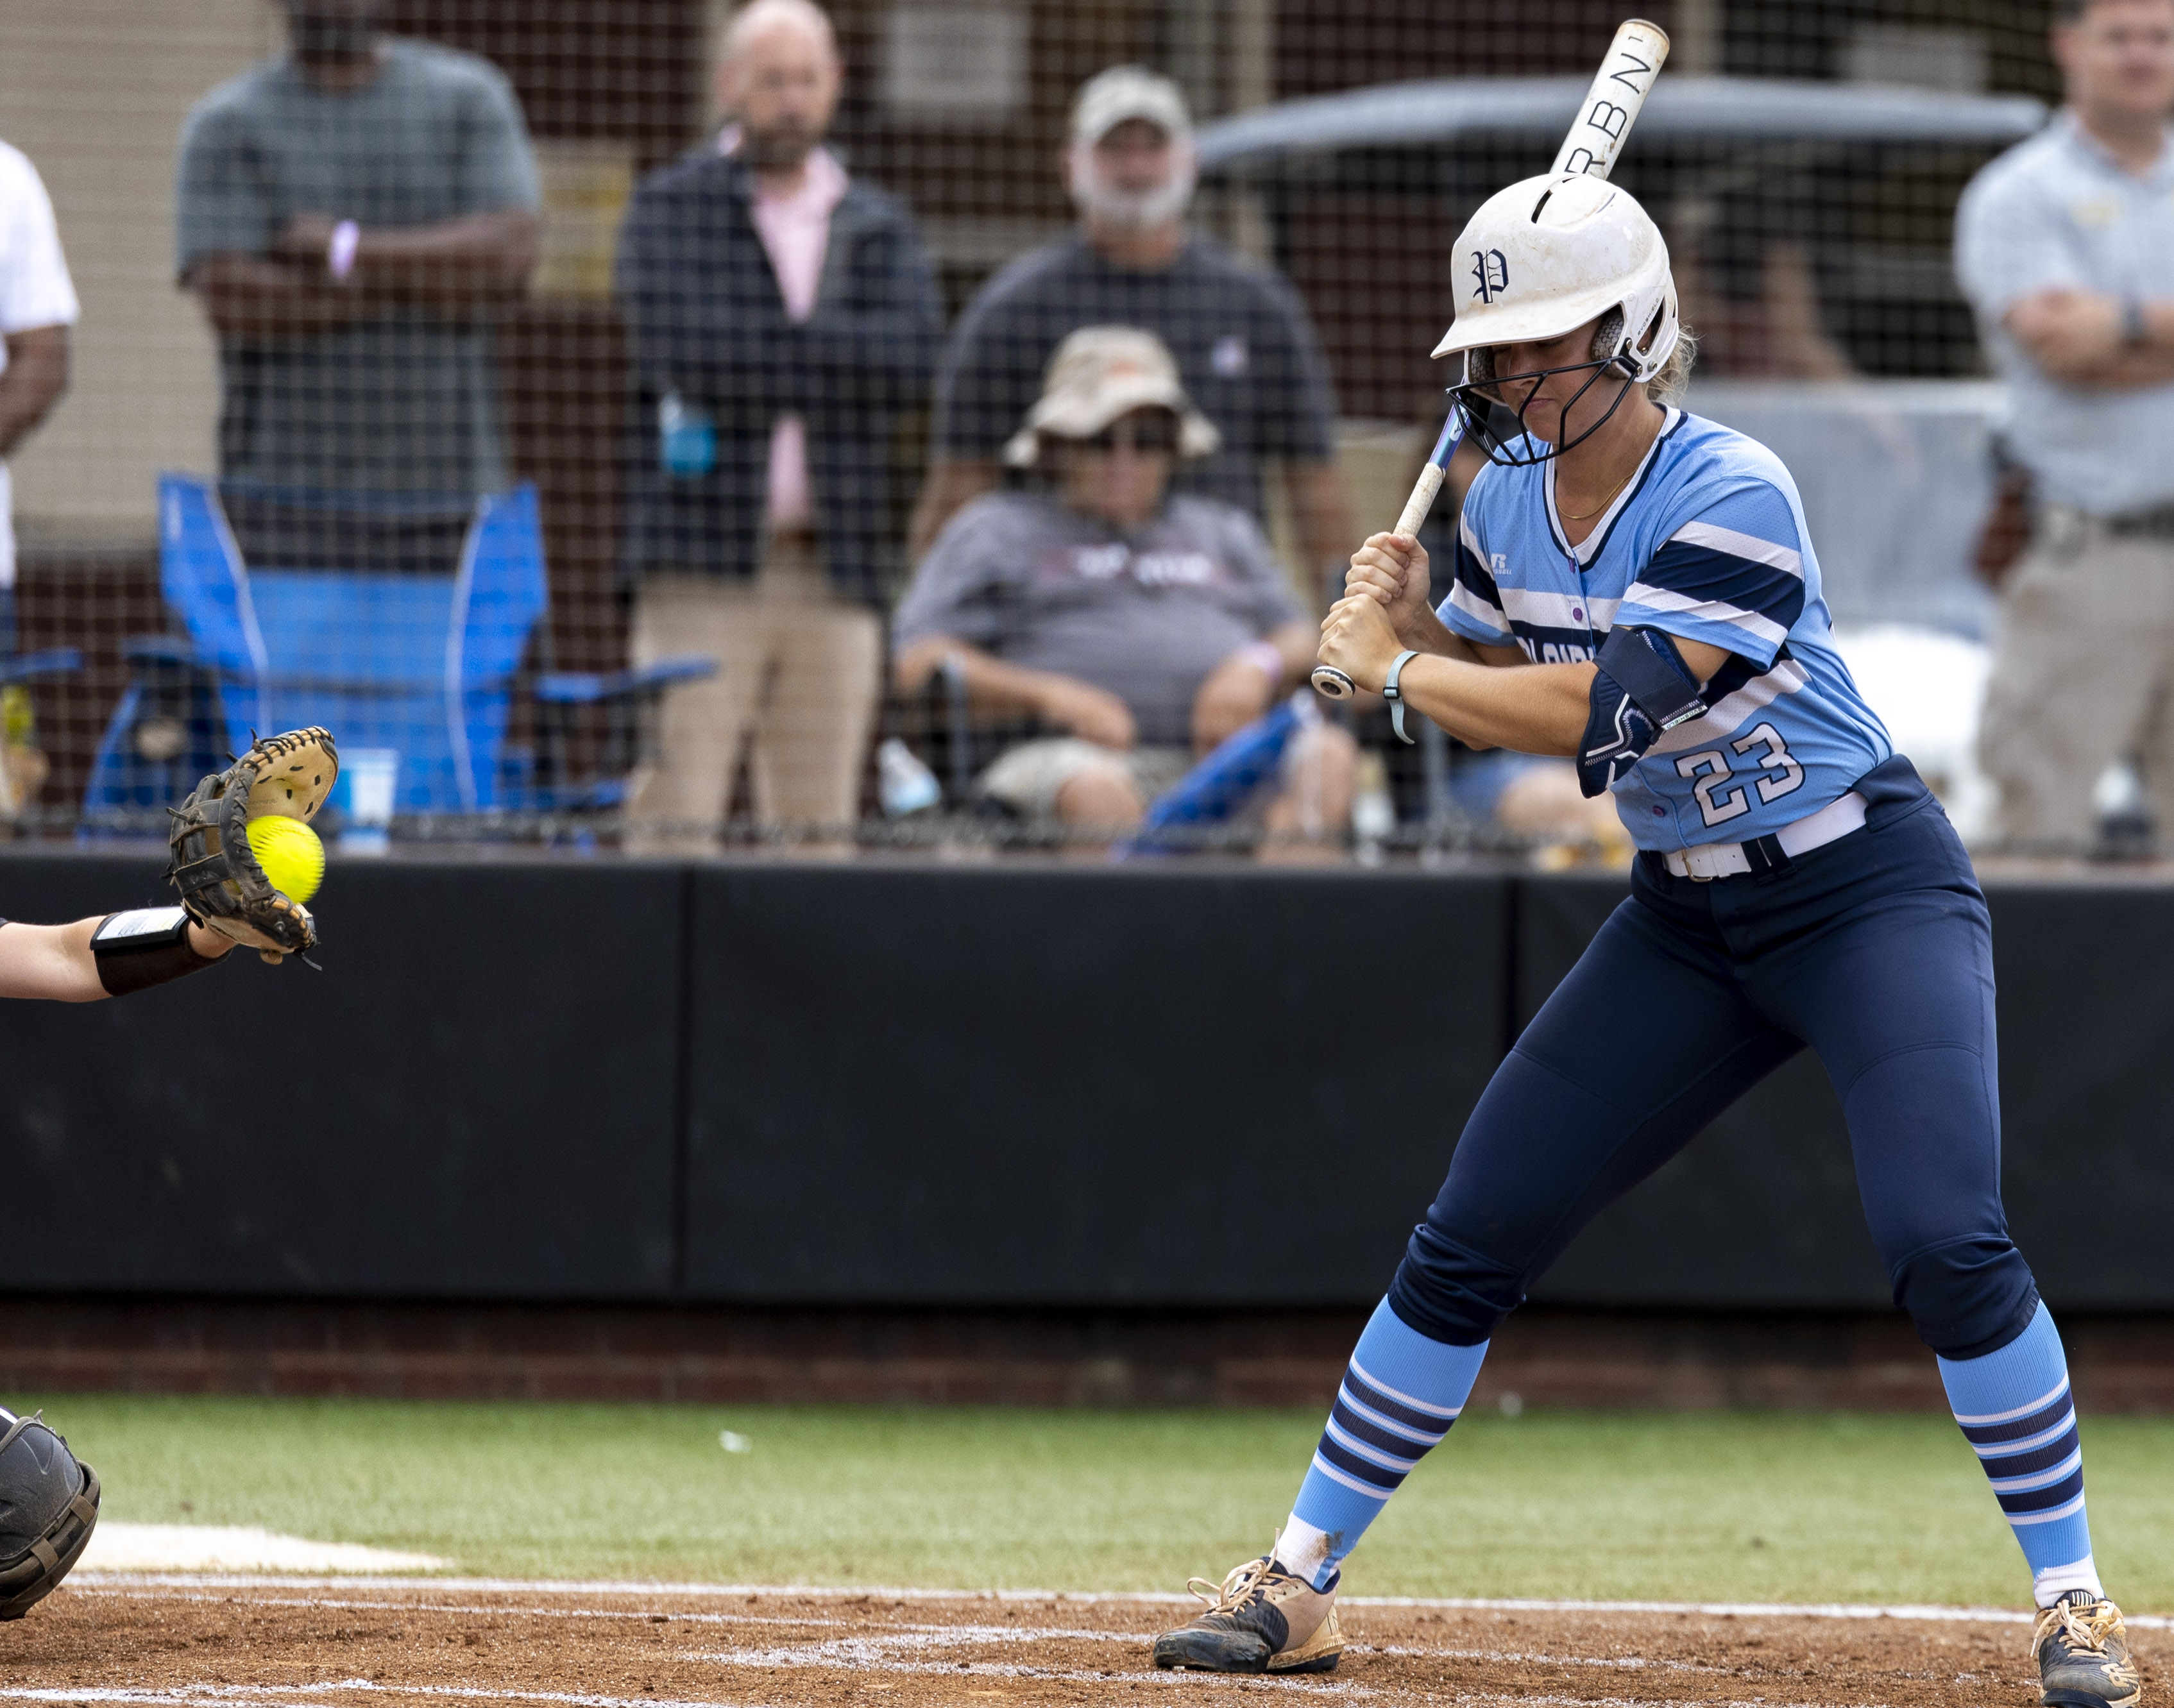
(1246, 351)
(704, 318)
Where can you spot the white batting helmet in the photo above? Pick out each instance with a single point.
(1547, 255)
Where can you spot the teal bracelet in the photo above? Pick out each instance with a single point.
(1395, 695)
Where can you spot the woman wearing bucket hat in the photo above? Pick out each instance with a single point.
(1145, 628)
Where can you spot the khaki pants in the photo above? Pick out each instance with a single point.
(797, 686)
(2083, 675)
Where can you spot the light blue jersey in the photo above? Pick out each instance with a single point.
(1707, 542)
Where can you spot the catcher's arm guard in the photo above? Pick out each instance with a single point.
(213, 865)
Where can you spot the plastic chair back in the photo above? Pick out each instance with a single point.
(383, 645)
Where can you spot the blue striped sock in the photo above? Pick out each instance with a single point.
(2014, 1410)
(1401, 1393)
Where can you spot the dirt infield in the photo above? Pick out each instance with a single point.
(193, 1643)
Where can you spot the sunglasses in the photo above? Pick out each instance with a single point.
(1152, 435)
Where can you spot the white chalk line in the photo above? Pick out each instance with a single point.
(859, 1657)
(889, 1651)
(189, 1695)
(1522, 1700)
(954, 1634)
(551, 1585)
(951, 1636)
(1629, 1663)
(882, 1652)
(501, 1609)
(568, 1586)
(281, 1696)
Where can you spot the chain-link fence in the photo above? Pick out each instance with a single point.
(506, 384)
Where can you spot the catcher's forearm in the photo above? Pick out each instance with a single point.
(52, 962)
(57, 963)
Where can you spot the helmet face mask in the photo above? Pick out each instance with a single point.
(1524, 448)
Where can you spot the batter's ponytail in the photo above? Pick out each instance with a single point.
(1669, 385)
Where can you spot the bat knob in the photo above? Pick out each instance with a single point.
(1328, 680)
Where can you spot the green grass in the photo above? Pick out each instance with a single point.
(1741, 1505)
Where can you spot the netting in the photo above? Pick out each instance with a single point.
(507, 502)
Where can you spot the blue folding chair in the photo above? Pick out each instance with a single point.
(28, 667)
(395, 623)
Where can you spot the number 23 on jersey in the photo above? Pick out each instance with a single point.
(1722, 795)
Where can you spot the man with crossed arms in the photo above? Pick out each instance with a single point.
(2065, 247)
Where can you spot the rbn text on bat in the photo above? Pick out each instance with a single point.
(1609, 119)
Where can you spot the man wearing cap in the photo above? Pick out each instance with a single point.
(1246, 351)
(1145, 625)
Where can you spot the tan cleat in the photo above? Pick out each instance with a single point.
(2082, 1650)
(1263, 1619)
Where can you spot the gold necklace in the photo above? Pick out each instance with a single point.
(1604, 502)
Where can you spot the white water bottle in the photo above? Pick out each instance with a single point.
(904, 785)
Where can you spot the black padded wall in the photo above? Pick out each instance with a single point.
(478, 1097)
(921, 1084)
(1066, 1086)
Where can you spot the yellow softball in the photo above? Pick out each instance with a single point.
(290, 852)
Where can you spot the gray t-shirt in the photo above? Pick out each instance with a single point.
(407, 402)
(1146, 616)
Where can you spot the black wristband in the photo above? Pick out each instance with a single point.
(150, 946)
(2134, 333)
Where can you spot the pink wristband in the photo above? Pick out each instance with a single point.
(1269, 657)
(340, 253)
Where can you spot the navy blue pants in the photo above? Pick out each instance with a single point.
(1876, 952)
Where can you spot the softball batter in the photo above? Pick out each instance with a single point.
(1632, 586)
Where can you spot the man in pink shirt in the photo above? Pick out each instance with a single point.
(780, 313)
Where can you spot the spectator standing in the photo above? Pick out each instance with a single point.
(780, 314)
(2065, 247)
(1147, 626)
(37, 307)
(1247, 350)
(350, 214)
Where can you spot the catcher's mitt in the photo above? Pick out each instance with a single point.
(213, 865)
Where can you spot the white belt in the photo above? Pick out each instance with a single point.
(1712, 860)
